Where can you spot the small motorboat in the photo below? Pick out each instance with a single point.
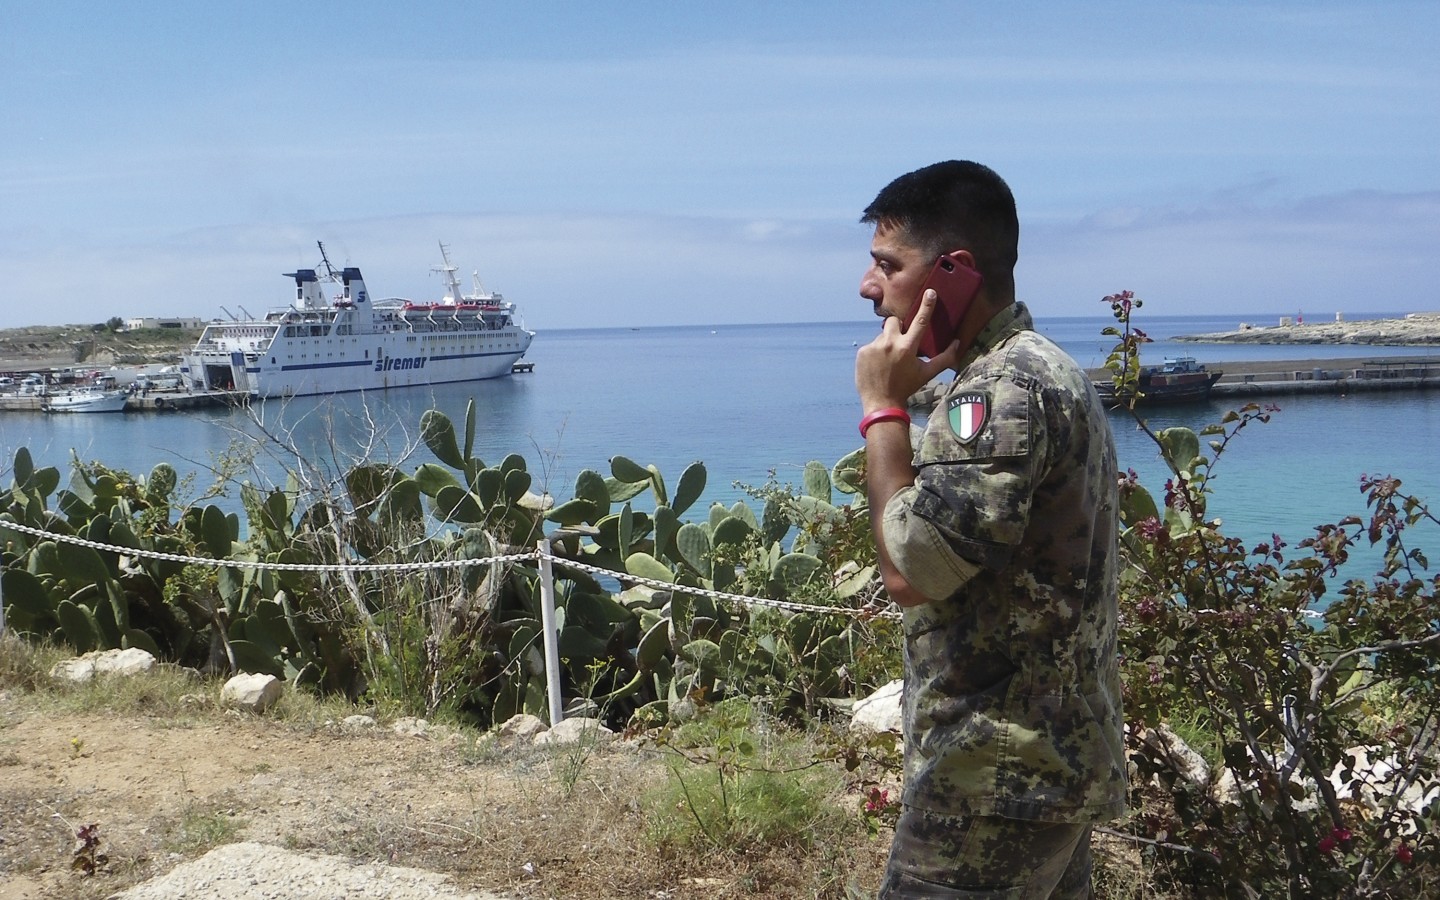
(87, 400)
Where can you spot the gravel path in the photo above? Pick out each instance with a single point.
(249, 871)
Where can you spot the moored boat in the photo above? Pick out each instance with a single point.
(323, 344)
(86, 400)
(1179, 379)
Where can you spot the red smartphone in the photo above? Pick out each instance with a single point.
(956, 283)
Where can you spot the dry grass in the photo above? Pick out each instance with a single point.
(168, 774)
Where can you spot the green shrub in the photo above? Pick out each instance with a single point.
(740, 780)
(1285, 667)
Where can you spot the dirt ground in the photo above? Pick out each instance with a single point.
(159, 790)
(527, 822)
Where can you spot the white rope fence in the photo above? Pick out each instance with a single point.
(542, 555)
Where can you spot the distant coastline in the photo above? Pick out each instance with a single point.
(1419, 329)
(37, 348)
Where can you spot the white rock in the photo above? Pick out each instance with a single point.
(1374, 783)
(78, 669)
(1227, 790)
(520, 727)
(577, 707)
(132, 661)
(357, 723)
(256, 693)
(250, 871)
(881, 710)
(1187, 763)
(572, 731)
(409, 726)
(683, 710)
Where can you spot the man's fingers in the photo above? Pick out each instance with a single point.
(948, 358)
(922, 316)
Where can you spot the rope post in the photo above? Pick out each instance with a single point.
(548, 629)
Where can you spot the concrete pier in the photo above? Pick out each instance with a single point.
(155, 401)
(172, 401)
(1274, 378)
(1332, 377)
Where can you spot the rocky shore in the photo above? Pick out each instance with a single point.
(1420, 329)
(41, 347)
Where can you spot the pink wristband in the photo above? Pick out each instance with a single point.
(888, 414)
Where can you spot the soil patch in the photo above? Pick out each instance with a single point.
(526, 822)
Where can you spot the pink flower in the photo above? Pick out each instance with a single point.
(1336, 836)
(878, 801)
(1404, 854)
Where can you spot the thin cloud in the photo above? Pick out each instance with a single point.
(1360, 251)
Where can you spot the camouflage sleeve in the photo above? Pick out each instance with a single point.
(921, 552)
(975, 475)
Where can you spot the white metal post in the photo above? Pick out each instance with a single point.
(547, 628)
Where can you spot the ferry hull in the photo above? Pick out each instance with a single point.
(265, 379)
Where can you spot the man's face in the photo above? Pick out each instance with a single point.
(897, 271)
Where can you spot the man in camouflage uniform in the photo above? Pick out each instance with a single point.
(997, 537)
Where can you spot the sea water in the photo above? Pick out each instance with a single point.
(755, 403)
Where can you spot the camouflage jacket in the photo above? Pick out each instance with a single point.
(1012, 690)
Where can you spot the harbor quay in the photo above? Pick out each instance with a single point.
(154, 401)
(1328, 377)
(168, 399)
(1272, 378)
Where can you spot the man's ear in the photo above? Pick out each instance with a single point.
(965, 257)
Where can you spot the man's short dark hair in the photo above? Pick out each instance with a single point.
(955, 205)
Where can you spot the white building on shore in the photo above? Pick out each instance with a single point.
(180, 324)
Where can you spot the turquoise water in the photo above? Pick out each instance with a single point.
(749, 400)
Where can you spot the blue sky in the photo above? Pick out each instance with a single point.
(684, 163)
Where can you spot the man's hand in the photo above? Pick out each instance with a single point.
(889, 369)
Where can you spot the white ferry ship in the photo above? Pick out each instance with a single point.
(348, 342)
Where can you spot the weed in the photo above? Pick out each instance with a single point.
(86, 857)
(729, 790)
(26, 666)
(202, 827)
(160, 693)
(307, 710)
(1192, 728)
(572, 756)
(710, 809)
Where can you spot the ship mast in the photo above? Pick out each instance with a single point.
(330, 273)
(449, 270)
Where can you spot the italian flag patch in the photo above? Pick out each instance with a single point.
(968, 413)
